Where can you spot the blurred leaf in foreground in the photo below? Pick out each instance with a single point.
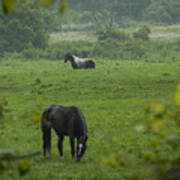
(63, 6)
(158, 107)
(24, 166)
(46, 2)
(8, 5)
(36, 117)
(7, 154)
(2, 168)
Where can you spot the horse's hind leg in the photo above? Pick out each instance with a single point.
(72, 146)
(60, 145)
(46, 139)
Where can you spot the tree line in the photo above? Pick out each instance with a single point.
(164, 11)
(27, 25)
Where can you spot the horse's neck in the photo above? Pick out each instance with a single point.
(73, 62)
(83, 122)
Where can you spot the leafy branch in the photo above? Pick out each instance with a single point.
(9, 5)
(24, 162)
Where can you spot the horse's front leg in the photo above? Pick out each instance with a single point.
(60, 145)
(77, 149)
(72, 146)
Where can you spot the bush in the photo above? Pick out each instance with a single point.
(34, 53)
(113, 33)
(110, 48)
(78, 48)
(24, 27)
(54, 52)
(142, 33)
(160, 150)
(114, 49)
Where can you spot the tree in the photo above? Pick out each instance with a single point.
(142, 33)
(22, 28)
(164, 11)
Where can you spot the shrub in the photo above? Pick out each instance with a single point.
(142, 33)
(23, 26)
(78, 48)
(34, 53)
(113, 33)
(114, 49)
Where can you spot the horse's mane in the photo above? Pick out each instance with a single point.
(81, 117)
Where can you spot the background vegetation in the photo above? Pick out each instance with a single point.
(26, 29)
(133, 124)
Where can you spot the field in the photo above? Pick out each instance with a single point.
(162, 33)
(112, 98)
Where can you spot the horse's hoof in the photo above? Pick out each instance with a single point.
(62, 158)
(78, 160)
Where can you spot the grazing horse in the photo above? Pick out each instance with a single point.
(66, 121)
(78, 63)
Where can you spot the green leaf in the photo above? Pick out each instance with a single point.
(176, 97)
(174, 140)
(7, 154)
(158, 107)
(8, 5)
(63, 6)
(2, 168)
(46, 2)
(36, 117)
(24, 166)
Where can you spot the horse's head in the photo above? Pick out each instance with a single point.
(68, 56)
(81, 147)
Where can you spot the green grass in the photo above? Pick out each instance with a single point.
(162, 33)
(112, 98)
(73, 36)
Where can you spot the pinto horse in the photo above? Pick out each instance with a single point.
(66, 121)
(78, 63)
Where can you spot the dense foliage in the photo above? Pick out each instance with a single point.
(163, 11)
(142, 33)
(24, 27)
(110, 44)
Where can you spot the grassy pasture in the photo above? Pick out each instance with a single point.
(73, 36)
(162, 33)
(112, 98)
(168, 33)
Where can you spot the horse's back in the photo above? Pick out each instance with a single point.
(52, 113)
(66, 120)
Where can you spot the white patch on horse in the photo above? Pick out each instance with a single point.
(80, 62)
(80, 145)
(80, 148)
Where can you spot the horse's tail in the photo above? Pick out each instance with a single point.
(46, 130)
(92, 64)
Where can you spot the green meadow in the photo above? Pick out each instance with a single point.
(112, 98)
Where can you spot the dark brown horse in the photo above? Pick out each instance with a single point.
(78, 63)
(66, 121)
